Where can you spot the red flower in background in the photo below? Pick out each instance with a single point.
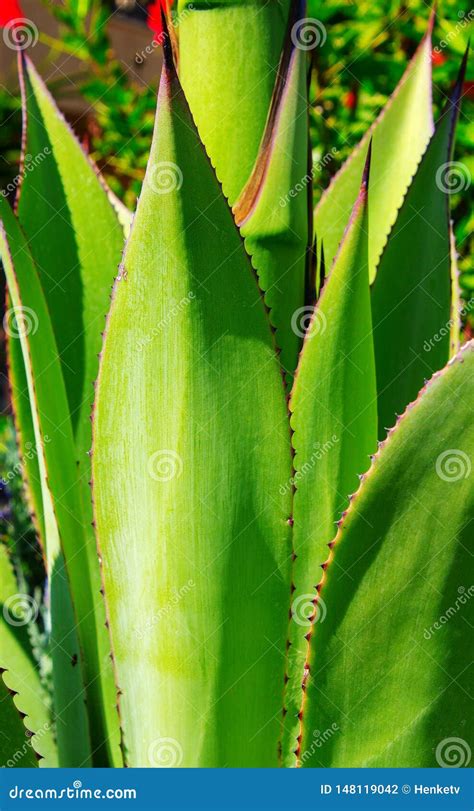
(468, 90)
(350, 100)
(154, 16)
(437, 58)
(10, 10)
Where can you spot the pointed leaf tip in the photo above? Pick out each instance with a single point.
(166, 43)
(366, 173)
(432, 19)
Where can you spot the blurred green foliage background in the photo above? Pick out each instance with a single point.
(365, 53)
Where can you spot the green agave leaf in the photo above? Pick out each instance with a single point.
(76, 235)
(334, 420)
(456, 298)
(24, 428)
(75, 239)
(55, 450)
(229, 88)
(400, 135)
(273, 207)
(193, 531)
(16, 657)
(387, 680)
(15, 746)
(411, 295)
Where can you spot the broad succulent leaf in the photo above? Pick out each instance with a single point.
(387, 681)
(334, 420)
(411, 295)
(192, 530)
(15, 746)
(399, 135)
(228, 61)
(56, 459)
(273, 207)
(75, 235)
(22, 671)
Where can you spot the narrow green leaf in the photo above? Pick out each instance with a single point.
(400, 135)
(55, 449)
(229, 87)
(75, 239)
(15, 746)
(411, 295)
(16, 657)
(193, 531)
(334, 420)
(75, 233)
(273, 207)
(24, 428)
(388, 683)
(456, 298)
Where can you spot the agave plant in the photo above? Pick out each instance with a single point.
(202, 607)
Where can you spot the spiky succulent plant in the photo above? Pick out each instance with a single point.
(202, 607)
